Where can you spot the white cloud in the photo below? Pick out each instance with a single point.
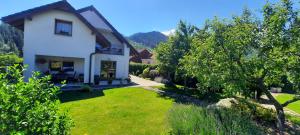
(168, 32)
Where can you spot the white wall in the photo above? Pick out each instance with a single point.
(121, 60)
(93, 18)
(39, 39)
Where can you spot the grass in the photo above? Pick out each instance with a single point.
(193, 92)
(293, 106)
(125, 111)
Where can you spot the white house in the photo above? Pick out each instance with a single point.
(60, 40)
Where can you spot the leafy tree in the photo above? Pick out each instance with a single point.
(11, 39)
(30, 107)
(233, 55)
(169, 53)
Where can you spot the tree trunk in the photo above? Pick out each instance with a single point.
(258, 94)
(185, 82)
(277, 105)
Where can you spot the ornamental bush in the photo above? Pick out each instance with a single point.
(30, 107)
(193, 120)
(138, 68)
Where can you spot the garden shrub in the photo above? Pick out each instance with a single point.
(9, 60)
(138, 68)
(146, 73)
(30, 107)
(153, 73)
(193, 120)
(257, 112)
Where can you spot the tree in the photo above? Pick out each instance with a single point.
(30, 107)
(242, 52)
(11, 39)
(169, 53)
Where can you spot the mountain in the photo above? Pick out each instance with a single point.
(139, 46)
(149, 39)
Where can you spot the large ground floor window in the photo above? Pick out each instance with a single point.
(108, 69)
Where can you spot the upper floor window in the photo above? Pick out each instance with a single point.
(63, 27)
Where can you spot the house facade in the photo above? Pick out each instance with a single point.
(69, 43)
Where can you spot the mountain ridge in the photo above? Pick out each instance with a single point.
(148, 39)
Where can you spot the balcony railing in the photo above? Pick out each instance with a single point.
(113, 51)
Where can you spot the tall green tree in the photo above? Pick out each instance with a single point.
(169, 53)
(11, 39)
(241, 52)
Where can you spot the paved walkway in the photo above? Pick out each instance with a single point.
(140, 82)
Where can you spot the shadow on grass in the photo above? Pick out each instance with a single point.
(188, 96)
(293, 128)
(67, 96)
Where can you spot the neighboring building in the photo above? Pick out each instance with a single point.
(58, 38)
(145, 57)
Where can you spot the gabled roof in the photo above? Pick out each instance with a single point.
(115, 32)
(17, 19)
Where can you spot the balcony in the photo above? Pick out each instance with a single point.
(112, 51)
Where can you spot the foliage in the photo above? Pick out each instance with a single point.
(169, 53)
(257, 112)
(9, 60)
(187, 120)
(138, 68)
(153, 73)
(244, 53)
(122, 111)
(11, 39)
(30, 107)
(146, 73)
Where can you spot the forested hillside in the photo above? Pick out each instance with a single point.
(149, 39)
(11, 39)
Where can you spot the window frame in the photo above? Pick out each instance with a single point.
(63, 21)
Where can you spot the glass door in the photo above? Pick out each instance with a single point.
(108, 70)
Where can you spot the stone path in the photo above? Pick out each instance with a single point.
(140, 82)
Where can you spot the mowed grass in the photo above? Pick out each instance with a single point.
(293, 106)
(119, 111)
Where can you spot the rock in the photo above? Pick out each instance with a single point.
(224, 103)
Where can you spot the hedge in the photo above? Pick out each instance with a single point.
(9, 60)
(138, 68)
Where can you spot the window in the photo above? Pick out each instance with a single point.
(68, 66)
(108, 69)
(63, 27)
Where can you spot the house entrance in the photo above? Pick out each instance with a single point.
(108, 70)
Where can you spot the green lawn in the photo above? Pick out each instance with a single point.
(293, 106)
(119, 111)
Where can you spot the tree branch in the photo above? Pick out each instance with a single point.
(296, 98)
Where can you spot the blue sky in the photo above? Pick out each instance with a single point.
(131, 16)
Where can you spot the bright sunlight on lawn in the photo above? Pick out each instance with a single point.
(293, 106)
(119, 111)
